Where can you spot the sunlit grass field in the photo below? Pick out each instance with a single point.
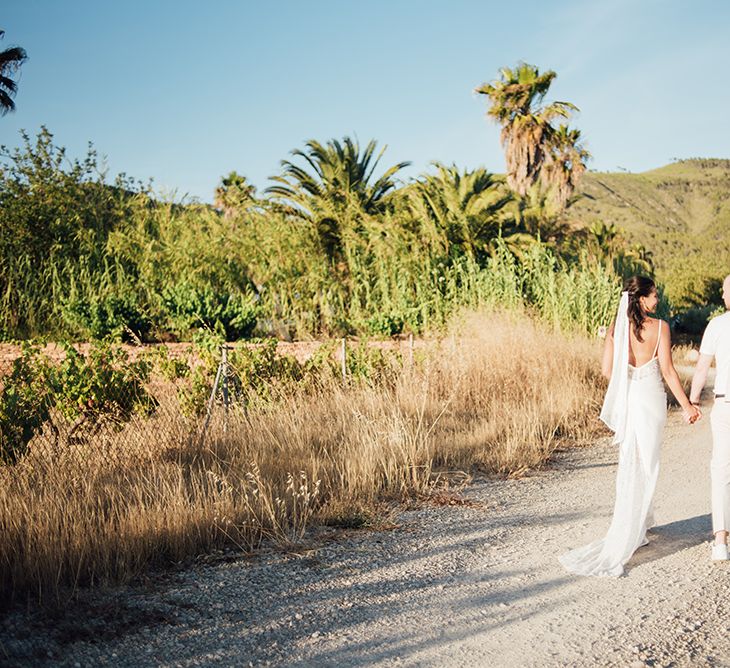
(497, 392)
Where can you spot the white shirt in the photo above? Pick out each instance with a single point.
(716, 341)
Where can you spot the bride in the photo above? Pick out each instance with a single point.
(636, 355)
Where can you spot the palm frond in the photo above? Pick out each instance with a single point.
(12, 58)
(6, 103)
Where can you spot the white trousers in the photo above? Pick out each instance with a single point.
(720, 465)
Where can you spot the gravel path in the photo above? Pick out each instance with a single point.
(476, 584)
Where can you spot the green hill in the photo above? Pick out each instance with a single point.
(680, 212)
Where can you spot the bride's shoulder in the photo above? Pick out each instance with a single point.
(659, 323)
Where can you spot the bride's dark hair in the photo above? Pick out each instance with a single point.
(638, 286)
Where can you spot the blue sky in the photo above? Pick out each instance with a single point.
(183, 92)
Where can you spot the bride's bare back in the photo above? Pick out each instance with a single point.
(642, 352)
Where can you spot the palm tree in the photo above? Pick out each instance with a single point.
(636, 259)
(233, 194)
(607, 238)
(565, 163)
(610, 246)
(538, 215)
(340, 172)
(10, 60)
(526, 127)
(337, 190)
(466, 209)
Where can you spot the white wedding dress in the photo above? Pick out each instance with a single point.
(636, 409)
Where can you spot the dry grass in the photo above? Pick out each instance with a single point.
(499, 393)
(685, 355)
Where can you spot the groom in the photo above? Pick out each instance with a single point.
(716, 343)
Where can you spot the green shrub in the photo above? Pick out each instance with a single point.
(101, 388)
(102, 385)
(115, 315)
(259, 371)
(25, 403)
(384, 324)
(57, 213)
(193, 397)
(170, 368)
(372, 364)
(230, 314)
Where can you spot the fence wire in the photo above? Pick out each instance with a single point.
(65, 403)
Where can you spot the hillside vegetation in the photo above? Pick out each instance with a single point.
(679, 212)
(337, 252)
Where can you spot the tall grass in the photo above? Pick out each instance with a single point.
(498, 392)
(81, 258)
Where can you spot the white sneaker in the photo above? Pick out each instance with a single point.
(719, 552)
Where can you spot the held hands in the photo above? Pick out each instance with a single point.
(692, 414)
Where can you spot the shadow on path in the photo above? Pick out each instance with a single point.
(667, 539)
